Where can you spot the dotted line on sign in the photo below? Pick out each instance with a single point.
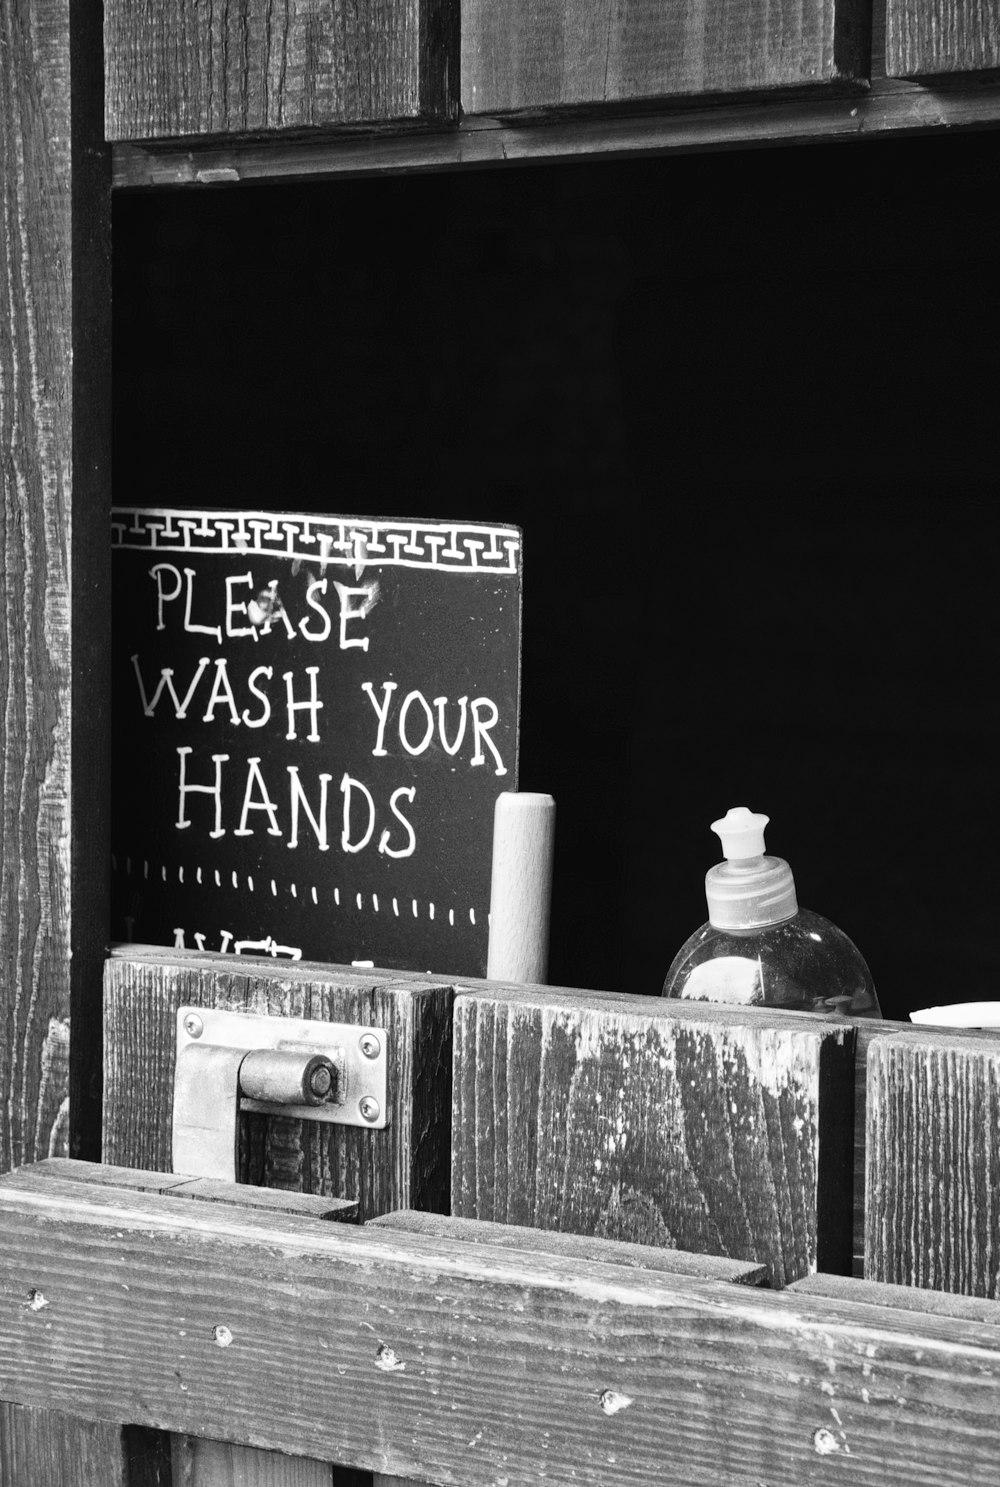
(395, 906)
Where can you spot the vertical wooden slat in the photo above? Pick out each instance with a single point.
(586, 52)
(708, 1129)
(54, 423)
(35, 478)
(54, 307)
(404, 1165)
(928, 38)
(201, 1463)
(45, 1448)
(179, 69)
(933, 1163)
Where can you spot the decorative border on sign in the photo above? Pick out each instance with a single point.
(338, 541)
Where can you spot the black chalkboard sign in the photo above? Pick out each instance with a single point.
(313, 717)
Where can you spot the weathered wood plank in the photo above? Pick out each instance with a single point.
(47, 1448)
(178, 68)
(35, 472)
(404, 1165)
(201, 1463)
(865, 1031)
(576, 1246)
(392, 1352)
(54, 322)
(561, 52)
(35, 647)
(891, 109)
(662, 1123)
(900, 1298)
(933, 1162)
(935, 38)
(197, 1189)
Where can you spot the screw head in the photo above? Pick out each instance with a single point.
(193, 1025)
(321, 1081)
(369, 1045)
(369, 1108)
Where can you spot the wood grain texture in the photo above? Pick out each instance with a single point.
(561, 52)
(574, 1246)
(392, 1352)
(47, 189)
(35, 479)
(934, 38)
(933, 1163)
(667, 1124)
(46, 1448)
(865, 1030)
(900, 1298)
(405, 1165)
(893, 107)
(237, 1197)
(181, 68)
(201, 1463)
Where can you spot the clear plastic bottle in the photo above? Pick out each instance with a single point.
(758, 947)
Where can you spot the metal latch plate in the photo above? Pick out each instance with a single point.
(359, 1055)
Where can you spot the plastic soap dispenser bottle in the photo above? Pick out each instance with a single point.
(758, 947)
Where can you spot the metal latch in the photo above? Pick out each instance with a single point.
(233, 1061)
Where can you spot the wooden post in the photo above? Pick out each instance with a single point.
(521, 886)
(54, 499)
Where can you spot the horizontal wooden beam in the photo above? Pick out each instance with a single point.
(890, 109)
(239, 1196)
(578, 1247)
(444, 1360)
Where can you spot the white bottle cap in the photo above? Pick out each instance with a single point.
(741, 833)
(748, 890)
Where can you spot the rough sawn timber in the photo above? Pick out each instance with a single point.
(404, 1165)
(564, 52)
(54, 423)
(178, 68)
(457, 1362)
(573, 1246)
(47, 1448)
(933, 1162)
(715, 1130)
(202, 1463)
(940, 38)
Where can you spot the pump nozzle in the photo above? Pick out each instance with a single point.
(749, 890)
(741, 832)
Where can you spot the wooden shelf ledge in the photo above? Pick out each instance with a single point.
(889, 108)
